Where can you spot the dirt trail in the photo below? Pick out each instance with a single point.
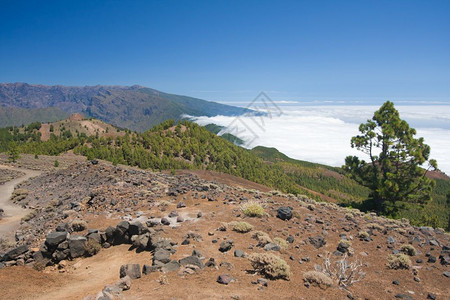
(13, 213)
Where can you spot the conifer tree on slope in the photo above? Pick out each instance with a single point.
(394, 173)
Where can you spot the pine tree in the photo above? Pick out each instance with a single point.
(394, 173)
(13, 152)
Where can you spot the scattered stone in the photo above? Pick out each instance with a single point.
(224, 279)
(239, 253)
(404, 296)
(432, 259)
(290, 239)
(165, 221)
(181, 204)
(226, 246)
(396, 282)
(211, 263)
(284, 213)
(173, 214)
(272, 247)
(446, 273)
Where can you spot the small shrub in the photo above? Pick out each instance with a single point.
(280, 242)
(318, 278)
(262, 238)
(79, 225)
(241, 227)
(398, 261)
(343, 271)
(375, 226)
(270, 265)
(408, 249)
(56, 164)
(222, 227)
(92, 247)
(252, 209)
(363, 234)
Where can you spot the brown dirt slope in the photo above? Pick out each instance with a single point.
(120, 193)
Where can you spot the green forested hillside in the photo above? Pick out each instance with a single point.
(166, 146)
(331, 182)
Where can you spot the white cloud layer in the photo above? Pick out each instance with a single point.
(322, 133)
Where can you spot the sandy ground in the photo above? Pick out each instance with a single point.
(82, 277)
(13, 213)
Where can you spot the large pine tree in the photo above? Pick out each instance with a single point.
(395, 173)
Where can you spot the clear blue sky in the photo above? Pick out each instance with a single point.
(231, 50)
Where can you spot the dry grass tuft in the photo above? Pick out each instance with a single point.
(270, 265)
(398, 261)
(318, 278)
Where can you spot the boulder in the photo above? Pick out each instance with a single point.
(136, 228)
(132, 270)
(54, 238)
(284, 213)
(192, 260)
(77, 246)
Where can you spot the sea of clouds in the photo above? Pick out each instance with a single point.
(322, 133)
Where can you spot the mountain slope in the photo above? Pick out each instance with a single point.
(137, 108)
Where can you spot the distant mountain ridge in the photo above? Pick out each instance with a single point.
(134, 107)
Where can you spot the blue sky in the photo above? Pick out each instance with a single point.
(231, 50)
